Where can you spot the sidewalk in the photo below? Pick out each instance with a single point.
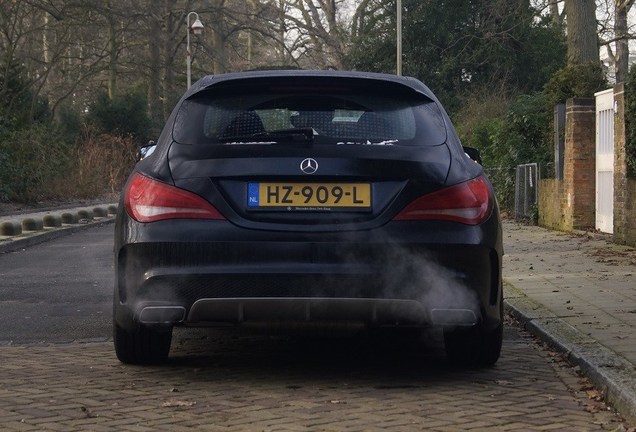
(576, 292)
(26, 229)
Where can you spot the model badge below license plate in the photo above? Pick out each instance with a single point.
(309, 196)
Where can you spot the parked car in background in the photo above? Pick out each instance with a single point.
(321, 197)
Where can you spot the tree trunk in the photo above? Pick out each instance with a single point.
(582, 37)
(113, 48)
(621, 31)
(155, 104)
(281, 32)
(220, 57)
(46, 34)
(168, 58)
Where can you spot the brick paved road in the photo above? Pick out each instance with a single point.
(237, 382)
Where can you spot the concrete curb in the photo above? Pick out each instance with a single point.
(606, 369)
(34, 228)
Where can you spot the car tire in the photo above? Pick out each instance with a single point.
(475, 346)
(142, 345)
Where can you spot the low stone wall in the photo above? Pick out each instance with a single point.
(553, 210)
(552, 205)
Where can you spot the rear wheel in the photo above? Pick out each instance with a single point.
(475, 346)
(142, 345)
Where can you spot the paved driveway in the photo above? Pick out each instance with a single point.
(221, 381)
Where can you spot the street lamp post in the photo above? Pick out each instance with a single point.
(196, 28)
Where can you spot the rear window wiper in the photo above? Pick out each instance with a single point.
(294, 135)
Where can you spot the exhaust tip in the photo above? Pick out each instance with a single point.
(453, 317)
(162, 314)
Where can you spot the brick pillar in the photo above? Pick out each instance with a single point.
(620, 167)
(580, 163)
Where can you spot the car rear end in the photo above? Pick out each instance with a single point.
(307, 197)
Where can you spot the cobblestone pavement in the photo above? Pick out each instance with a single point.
(579, 293)
(221, 381)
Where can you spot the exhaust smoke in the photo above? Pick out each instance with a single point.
(444, 293)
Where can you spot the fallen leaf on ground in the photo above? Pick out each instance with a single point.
(592, 408)
(177, 403)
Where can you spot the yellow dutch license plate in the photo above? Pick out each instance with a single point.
(309, 196)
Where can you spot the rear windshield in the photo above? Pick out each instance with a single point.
(333, 118)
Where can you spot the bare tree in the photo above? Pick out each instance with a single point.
(155, 102)
(622, 38)
(51, 41)
(615, 32)
(581, 31)
(322, 37)
(72, 48)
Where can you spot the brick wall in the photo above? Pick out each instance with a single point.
(624, 188)
(628, 235)
(620, 166)
(571, 203)
(580, 163)
(552, 204)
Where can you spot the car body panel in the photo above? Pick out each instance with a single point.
(318, 265)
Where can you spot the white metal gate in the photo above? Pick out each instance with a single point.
(605, 161)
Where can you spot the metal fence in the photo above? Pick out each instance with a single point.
(526, 190)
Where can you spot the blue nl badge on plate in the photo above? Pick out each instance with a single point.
(252, 194)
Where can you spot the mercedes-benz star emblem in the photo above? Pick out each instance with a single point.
(309, 166)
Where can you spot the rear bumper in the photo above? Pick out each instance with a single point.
(377, 312)
(407, 280)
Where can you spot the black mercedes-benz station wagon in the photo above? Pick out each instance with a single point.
(308, 197)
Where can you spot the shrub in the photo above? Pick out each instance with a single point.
(101, 165)
(69, 123)
(20, 107)
(518, 137)
(42, 159)
(37, 164)
(31, 160)
(489, 138)
(527, 129)
(123, 115)
(630, 123)
(478, 108)
(574, 81)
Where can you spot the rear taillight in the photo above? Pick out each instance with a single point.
(469, 203)
(149, 200)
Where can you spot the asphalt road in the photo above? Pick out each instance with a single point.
(59, 371)
(58, 291)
